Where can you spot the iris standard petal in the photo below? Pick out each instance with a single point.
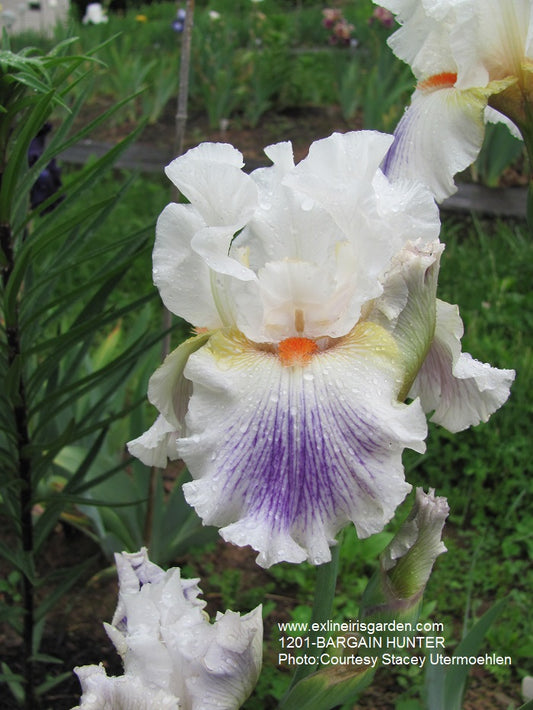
(181, 274)
(459, 390)
(211, 178)
(285, 455)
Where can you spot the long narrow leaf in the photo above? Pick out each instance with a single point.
(70, 577)
(456, 675)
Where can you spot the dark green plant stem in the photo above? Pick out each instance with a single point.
(325, 585)
(150, 505)
(526, 129)
(20, 417)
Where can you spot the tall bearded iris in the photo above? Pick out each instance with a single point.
(312, 288)
(473, 62)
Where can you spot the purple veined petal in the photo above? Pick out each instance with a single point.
(439, 135)
(285, 456)
(459, 390)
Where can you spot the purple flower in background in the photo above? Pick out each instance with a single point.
(341, 29)
(331, 17)
(383, 16)
(178, 24)
(49, 180)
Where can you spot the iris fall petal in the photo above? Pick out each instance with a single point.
(284, 456)
(459, 390)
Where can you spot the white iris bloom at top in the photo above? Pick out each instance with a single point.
(473, 62)
(313, 290)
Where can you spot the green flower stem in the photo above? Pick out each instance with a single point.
(325, 585)
(526, 130)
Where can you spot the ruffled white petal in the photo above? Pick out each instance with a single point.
(462, 52)
(211, 178)
(460, 391)
(157, 445)
(231, 662)
(284, 457)
(180, 274)
(439, 135)
(342, 175)
(127, 692)
(479, 40)
(169, 391)
(172, 655)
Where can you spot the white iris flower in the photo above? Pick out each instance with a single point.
(314, 291)
(174, 659)
(473, 63)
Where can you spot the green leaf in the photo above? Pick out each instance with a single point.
(70, 577)
(14, 681)
(18, 159)
(445, 685)
(327, 689)
(469, 646)
(19, 560)
(52, 682)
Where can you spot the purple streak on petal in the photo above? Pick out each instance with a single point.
(287, 471)
(398, 154)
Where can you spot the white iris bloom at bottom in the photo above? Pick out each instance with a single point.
(313, 290)
(174, 659)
